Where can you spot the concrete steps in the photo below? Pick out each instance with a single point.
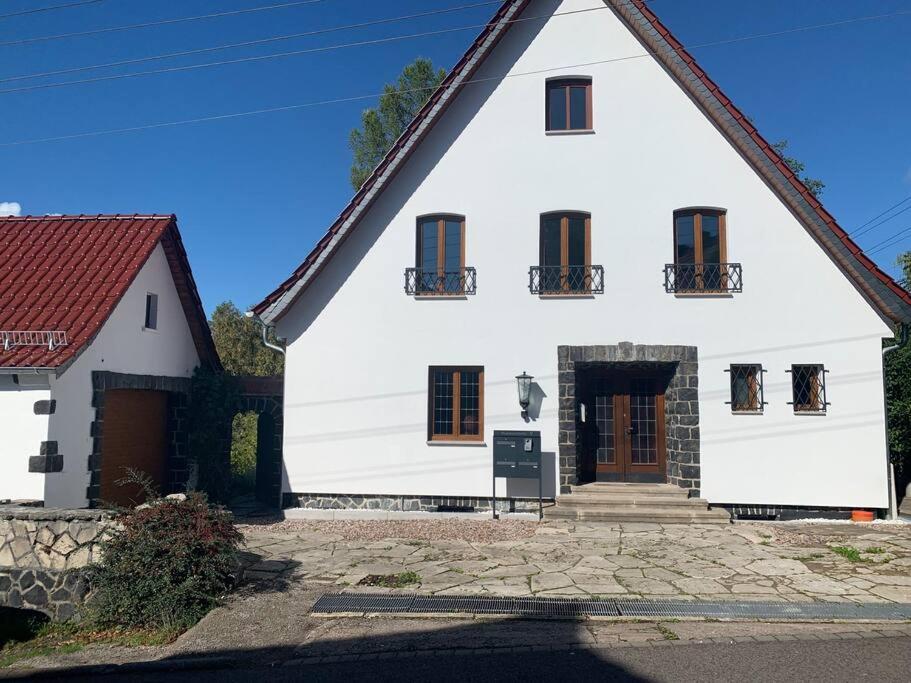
(622, 502)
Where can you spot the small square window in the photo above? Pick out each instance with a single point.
(569, 104)
(151, 321)
(746, 388)
(808, 385)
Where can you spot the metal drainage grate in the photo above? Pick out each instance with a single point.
(569, 608)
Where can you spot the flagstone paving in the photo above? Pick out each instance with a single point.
(744, 561)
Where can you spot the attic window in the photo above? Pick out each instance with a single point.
(569, 104)
(151, 312)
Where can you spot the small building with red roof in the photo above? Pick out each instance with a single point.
(101, 327)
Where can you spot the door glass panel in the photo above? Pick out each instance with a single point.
(550, 254)
(577, 114)
(452, 256)
(711, 251)
(469, 402)
(685, 251)
(556, 107)
(604, 425)
(442, 402)
(428, 255)
(576, 276)
(643, 423)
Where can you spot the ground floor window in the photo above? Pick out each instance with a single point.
(746, 388)
(456, 403)
(808, 383)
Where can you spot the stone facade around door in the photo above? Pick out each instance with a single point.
(681, 406)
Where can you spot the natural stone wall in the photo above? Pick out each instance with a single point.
(40, 548)
(338, 501)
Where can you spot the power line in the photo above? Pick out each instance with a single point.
(888, 242)
(150, 24)
(250, 43)
(353, 98)
(881, 214)
(36, 10)
(390, 39)
(884, 221)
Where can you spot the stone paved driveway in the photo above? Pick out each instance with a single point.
(758, 561)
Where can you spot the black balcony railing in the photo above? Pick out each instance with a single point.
(700, 278)
(436, 283)
(566, 280)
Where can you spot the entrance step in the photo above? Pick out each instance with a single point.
(622, 502)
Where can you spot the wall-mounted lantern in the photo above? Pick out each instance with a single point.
(523, 384)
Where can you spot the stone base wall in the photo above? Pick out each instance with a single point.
(39, 548)
(342, 501)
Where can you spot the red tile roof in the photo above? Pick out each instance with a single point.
(887, 296)
(66, 273)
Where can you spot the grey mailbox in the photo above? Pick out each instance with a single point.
(517, 455)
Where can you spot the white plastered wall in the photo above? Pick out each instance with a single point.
(359, 348)
(21, 434)
(122, 345)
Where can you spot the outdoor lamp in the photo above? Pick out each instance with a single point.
(523, 383)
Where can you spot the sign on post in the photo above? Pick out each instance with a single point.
(517, 455)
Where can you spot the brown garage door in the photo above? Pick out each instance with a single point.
(135, 437)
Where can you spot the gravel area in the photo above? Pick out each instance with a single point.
(473, 531)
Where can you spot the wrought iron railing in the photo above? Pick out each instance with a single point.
(566, 279)
(422, 282)
(703, 277)
(50, 338)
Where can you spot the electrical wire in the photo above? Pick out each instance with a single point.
(36, 10)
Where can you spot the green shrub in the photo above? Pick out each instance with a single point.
(165, 567)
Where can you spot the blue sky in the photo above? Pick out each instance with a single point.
(253, 194)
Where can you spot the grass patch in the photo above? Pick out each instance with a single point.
(848, 552)
(667, 633)
(390, 580)
(875, 550)
(53, 639)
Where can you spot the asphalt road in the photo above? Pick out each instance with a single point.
(881, 659)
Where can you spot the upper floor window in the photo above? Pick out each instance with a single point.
(808, 386)
(700, 254)
(440, 258)
(456, 403)
(569, 104)
(151, 319)
(564, 261)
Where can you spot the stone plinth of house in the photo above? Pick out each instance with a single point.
(39, 548)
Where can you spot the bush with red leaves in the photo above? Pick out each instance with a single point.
(166, 566)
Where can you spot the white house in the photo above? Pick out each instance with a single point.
(101, 327)
(579, 201)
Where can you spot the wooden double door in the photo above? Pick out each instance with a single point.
(623, 428)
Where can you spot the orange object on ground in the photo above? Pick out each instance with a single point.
(862, 516)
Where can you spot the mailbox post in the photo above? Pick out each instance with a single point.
(517, 455)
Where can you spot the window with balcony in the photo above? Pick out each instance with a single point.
(440, 259)
(700, 254)
(456, 402)
(746, 388)
(564, 262)
(569, 104)
(808, 387)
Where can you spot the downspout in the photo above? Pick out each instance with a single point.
(890, 470)
(266, 342)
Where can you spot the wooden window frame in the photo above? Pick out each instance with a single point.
(698, 256)
(755, 389)
(564, 248)
(456, 371)
(566, 84)
(441, 219)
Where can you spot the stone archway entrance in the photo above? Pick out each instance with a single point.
(264, 396)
